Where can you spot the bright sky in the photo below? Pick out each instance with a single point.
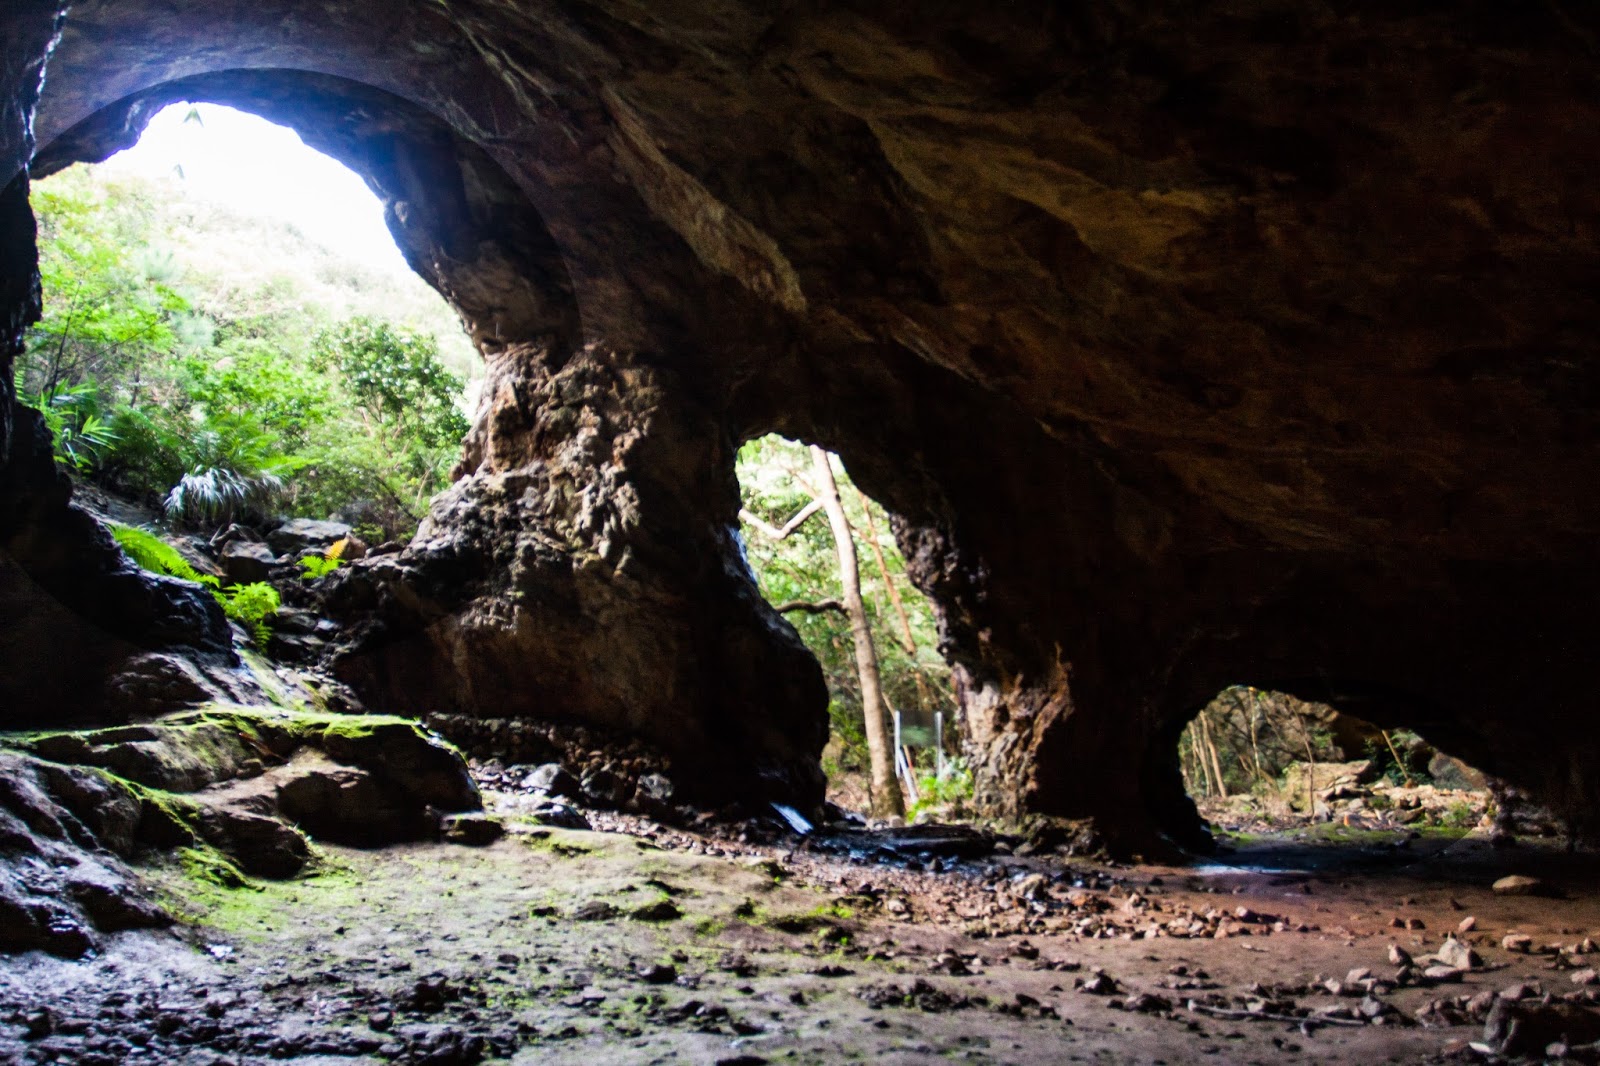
(257, 168)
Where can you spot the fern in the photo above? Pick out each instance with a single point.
(320, 566)
(152, 553)
(317, 566)
(252, 606)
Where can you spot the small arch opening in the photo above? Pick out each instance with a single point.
(868, 626)
(1266, 768)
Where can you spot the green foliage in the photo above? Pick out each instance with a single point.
(1384, 763)
(157, 556)
(952, 789)
(105, 310)
(1252, 736)
(226, 369)
(252, 605)
(773, 475)
(396, 375)
(72, 415)
(316, 566)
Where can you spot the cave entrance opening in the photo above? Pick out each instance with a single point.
(231, 338)
(795, 502)
(1265, 764)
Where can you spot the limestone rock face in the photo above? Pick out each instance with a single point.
(579, 574)
(1190, 345)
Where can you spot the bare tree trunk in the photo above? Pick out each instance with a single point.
(1401, 763)
(908, 640)
(1197, 747)
(1216, 761)
(1311, 768)
(886, 798)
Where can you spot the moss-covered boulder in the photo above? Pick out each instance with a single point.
(234, 791)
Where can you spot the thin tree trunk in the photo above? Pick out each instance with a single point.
(908, 641)
(1401, 763)
(1311, 768)
(886, 798)
(1216, 761)
(1197, 748)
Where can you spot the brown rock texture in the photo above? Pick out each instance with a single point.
(1251, 343)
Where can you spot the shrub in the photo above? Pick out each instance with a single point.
(72, 415)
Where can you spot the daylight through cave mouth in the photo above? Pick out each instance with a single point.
(823, 555)
(1265, 765)
(231, 336)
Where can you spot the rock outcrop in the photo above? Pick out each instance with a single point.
(1252, 343)
(235, 790)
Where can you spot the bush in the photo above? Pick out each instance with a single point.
(953, 789)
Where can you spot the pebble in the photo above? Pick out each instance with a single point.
(1518, 885)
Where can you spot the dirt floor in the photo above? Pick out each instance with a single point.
(645, 944)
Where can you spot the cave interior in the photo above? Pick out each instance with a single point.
(1186, 348)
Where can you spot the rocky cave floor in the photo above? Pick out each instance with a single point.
(635, 942)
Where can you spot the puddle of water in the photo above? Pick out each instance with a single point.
(1222, 870)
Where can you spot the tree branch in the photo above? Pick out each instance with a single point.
(772, 532)
(806, 607)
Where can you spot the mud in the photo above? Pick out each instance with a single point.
(648, 943)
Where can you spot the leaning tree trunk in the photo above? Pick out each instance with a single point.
(886, 799)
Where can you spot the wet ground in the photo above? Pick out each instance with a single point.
(645, 944)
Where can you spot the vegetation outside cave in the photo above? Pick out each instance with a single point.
(1259, 762)
(204, 365)
(792, 551)
(219, 366)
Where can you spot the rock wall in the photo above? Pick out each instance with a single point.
(1189, 347)
(587, 570)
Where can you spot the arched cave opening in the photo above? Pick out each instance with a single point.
(231, 337)
(1268, 770)
(1245, 355)
(871, 629)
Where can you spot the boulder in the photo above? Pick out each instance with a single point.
(28, 923)
(406, 758)
(345, 805)
(1325, 777)
(102, 803)
(247, 561)
(1448, 771)
(262, 846)
(302, 536)
(473, 830)
(158, 683)
(553, 779)
(560, 815)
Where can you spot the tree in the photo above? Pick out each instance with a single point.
(396, 374)
(103, 311)
(795, 562)
(225, 365)
(886, 798)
